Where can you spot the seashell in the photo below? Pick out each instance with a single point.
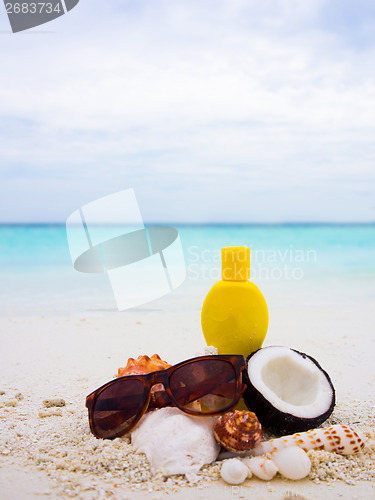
(238, 431)
(292, 462)
(234, 471)
(174, 442)
(336, 438)
(261, 467)
(143, 364)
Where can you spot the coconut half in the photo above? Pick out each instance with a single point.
(288, 390)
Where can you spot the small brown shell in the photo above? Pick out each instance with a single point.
(143, 364)
(238, 431)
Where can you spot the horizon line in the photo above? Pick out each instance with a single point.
(147, 223)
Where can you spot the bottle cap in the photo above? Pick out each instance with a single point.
(235, 263)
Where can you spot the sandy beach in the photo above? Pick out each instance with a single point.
(49, 452)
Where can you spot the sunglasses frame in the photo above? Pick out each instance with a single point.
(237, 361)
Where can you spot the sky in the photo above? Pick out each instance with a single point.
(213, 111)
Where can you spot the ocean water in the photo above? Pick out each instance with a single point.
(293, 264)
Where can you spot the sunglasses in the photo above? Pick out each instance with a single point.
(201, 386)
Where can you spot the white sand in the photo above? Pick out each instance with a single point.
(68, 357)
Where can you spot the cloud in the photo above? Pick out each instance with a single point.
(189, 102)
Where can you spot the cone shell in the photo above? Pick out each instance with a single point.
(143, 364)
(336, 438)
(238, 431)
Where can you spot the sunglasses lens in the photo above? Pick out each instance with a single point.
(117, 407)
(204, 386)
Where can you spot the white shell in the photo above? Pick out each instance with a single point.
(261, 467)
(174, 442)
(293, 462)
(233, 471)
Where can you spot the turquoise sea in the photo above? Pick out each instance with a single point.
(293, 264)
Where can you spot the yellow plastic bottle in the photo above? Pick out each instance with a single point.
(235, 314)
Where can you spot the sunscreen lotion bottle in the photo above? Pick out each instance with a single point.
(235, 314)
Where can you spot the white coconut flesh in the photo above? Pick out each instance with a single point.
(290, 382)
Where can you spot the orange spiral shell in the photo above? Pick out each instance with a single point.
(238, 431)
(143, 364)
